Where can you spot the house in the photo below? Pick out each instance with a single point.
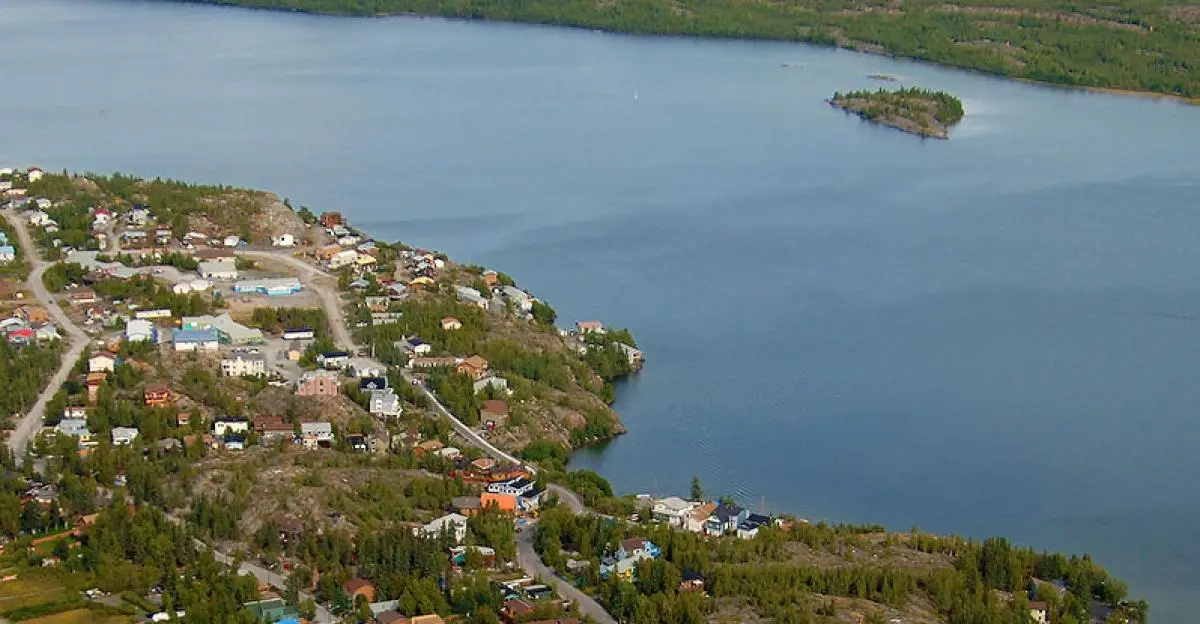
(294, 351)
(417, 346)
(272, 428)
(513, 611)
(371, 384)
(316, 434)
(343, 258)
(283, 240)
(634, 355)
(333, 360)
(83, 295)
(589, 327)
(470, 296)
(222, 428)
(101, 363)
(499, 383)
(515, 487)
(196, 340)
(47, 332)
(232, 240)
(520, 298)
(428, 446)
(432, 362)
(673, 510)
(243, 364)
(271, 608)
(491, 278)
(377, 304)
(326, 253)
(452, 525)
(162, 237)
(356, 587)
(74, 411)
(474, 367)
(8, 253)
(34, 174)
(137, 217)
(1039, 611)
(725, 519)
(506, 503)
(364, 260)
(123, 435)
(748, 529)
(272, 287)
(385, 403)
(624, 564)
(140, 330)
(386, 318)
(451, 324)
(691, 581)
(155, 313)
(331, 219)
(222, 269)
(466, 505)
(494, 410)
(699, 517)
(299, 333)
(156, 395)
(317, 383)
(634, 546)
(75, 428)
(364, 367)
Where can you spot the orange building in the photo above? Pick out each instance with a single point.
(157, 395)
(505, 502)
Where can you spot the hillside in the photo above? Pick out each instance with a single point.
(1143, 45)
(918, 111)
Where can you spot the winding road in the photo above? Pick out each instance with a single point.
(77, 340)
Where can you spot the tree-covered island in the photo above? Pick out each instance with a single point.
(919, 111)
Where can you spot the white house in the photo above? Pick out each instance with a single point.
(520, 298)
(343, 258)
(39, 218)
(232, 240)
(139, 330)
(101, 363)
(673, 510)
(335, 360)
(47, 332)
(314, 434)
(385, 403)
(283, 240)
(515, 487)
(454, 525)
(498, 383)
(124, 435)
(222, 269)
(469, 295)
(34, 174)
(222, 428)
(363, 368)
(244, 364)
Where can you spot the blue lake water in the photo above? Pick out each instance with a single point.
(997, 334)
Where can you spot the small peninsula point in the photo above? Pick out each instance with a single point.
(918, 111)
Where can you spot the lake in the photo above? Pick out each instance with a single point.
(996, 334)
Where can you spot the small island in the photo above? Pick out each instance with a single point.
(919, 111)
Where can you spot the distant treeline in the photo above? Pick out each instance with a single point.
(1147, 45)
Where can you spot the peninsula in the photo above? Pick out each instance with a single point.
(1145, 46)
(312, 423)
(919, 111)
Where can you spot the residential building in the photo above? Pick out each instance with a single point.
(385, 403)
(74, 411)
(520, 298)
(470, 296)
(283, 240)
(725, 519)
(673, 510)
(156, 313)
(515, 487)
(331, 219)
(377, 304)
(432, 362)
(316, 434)
(356, 587)
(453, 525)
(101, 363)
(386, 318)
(699, 517)
(370, 384)
(83, 295)
(343, 258)
(47, 332)
(33, 314)
(317, 383)
(139, 330)
(416, 346)
(633, 546)
(232, 240)
(451, 324)
(299, 333)
(242, 364)
(218, 269)
(1039, 611)
(364, 368)
(273, 428)
(491, 381)
(474, 367)
(588, 327)
(748, 529)
(196, 340)
(634, 355)
(8, 253)
(222, 428)
(273, 287)
(124, 435)
(333, 360)
(513, 611)
(157, 395)
(494, 410)
(74, 427)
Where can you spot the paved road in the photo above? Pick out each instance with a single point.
(534, 567)
(77, 340)
(310, 276)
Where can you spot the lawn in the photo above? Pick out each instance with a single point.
(81, 616)
(30, 590)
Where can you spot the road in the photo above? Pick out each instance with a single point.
(277, 581)
(77, 340)
(534, 567)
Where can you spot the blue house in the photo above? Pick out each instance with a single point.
(7, 252)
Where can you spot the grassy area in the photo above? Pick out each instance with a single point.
(1146, 45)
(30, 590)
(81, 616)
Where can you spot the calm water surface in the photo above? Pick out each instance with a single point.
(995, 334)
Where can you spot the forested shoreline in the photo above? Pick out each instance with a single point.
(1139, 46)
